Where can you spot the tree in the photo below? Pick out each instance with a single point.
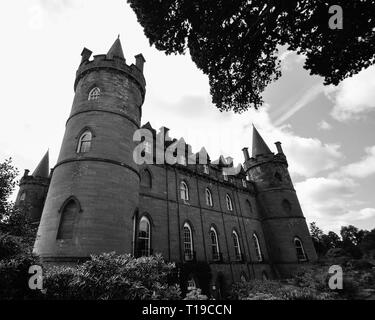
(317, 238)
(368, 243)
(331, 240)
(236, 42)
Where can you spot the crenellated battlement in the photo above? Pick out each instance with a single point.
(114, 60)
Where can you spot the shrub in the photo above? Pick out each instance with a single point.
(14, 277)
(111, 276)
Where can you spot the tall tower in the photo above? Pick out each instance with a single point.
(33, 189)
(94, 188)
(283, 222)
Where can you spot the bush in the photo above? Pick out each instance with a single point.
(14, 277)
(111, 276)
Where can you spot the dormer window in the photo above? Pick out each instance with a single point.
(94, 94)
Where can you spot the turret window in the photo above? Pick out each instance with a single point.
(184, 190)
(209, 201)
(84, 143)
(300, 251)
(146, 179)
(229, 202)
(94, 94)
(67, 220)
(144, 237)
(258, 251)
(23, 196)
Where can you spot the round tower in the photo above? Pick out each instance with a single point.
(94, 188)
(33, 190)
(284, 224)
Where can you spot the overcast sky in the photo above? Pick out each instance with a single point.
(327, 133)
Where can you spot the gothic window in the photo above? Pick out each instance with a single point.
(144, 237)
(214, 245)
(229, 202)
(67, 220)
(184, 191)
(146, 179)
(300, 251)
(286, 205)
(236, 245)
(84, 142)
(209, 201)
(188, 243)
(258, 251)
(206, 169)
(94, 94)
(278, 176)
(23, 196)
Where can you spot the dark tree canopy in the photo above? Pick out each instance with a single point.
(235, 42)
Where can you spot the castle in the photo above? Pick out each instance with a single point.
(98, 199)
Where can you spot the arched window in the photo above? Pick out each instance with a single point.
(23, 196)
(236, 244)
(209, 201)
(214, 245)
(94, 94)
(286, 205)
(184, 191)
(144, 237)
(67, 220)
(84, 142)
(229, 202)
(146, 179)
(188, 243)
(300, 251)
(258, 251)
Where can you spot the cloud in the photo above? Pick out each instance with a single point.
(307, 96)
(354, 97)
(324, 125)
(331, 203)
(361, 169)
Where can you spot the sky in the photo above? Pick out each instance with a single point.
(327, 133)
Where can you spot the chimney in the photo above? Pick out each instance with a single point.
(279, 148)
(139, 61)
(26, 172)
(246, 153)
(86, 54)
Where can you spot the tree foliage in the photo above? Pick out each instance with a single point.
(236, 42)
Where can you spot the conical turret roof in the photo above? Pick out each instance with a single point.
(42, 170)
(259, 146)
(116, 50)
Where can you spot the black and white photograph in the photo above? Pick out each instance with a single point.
(187, 155)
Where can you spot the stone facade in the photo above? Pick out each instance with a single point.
(98, 196)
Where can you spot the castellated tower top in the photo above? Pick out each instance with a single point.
(114, 60)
